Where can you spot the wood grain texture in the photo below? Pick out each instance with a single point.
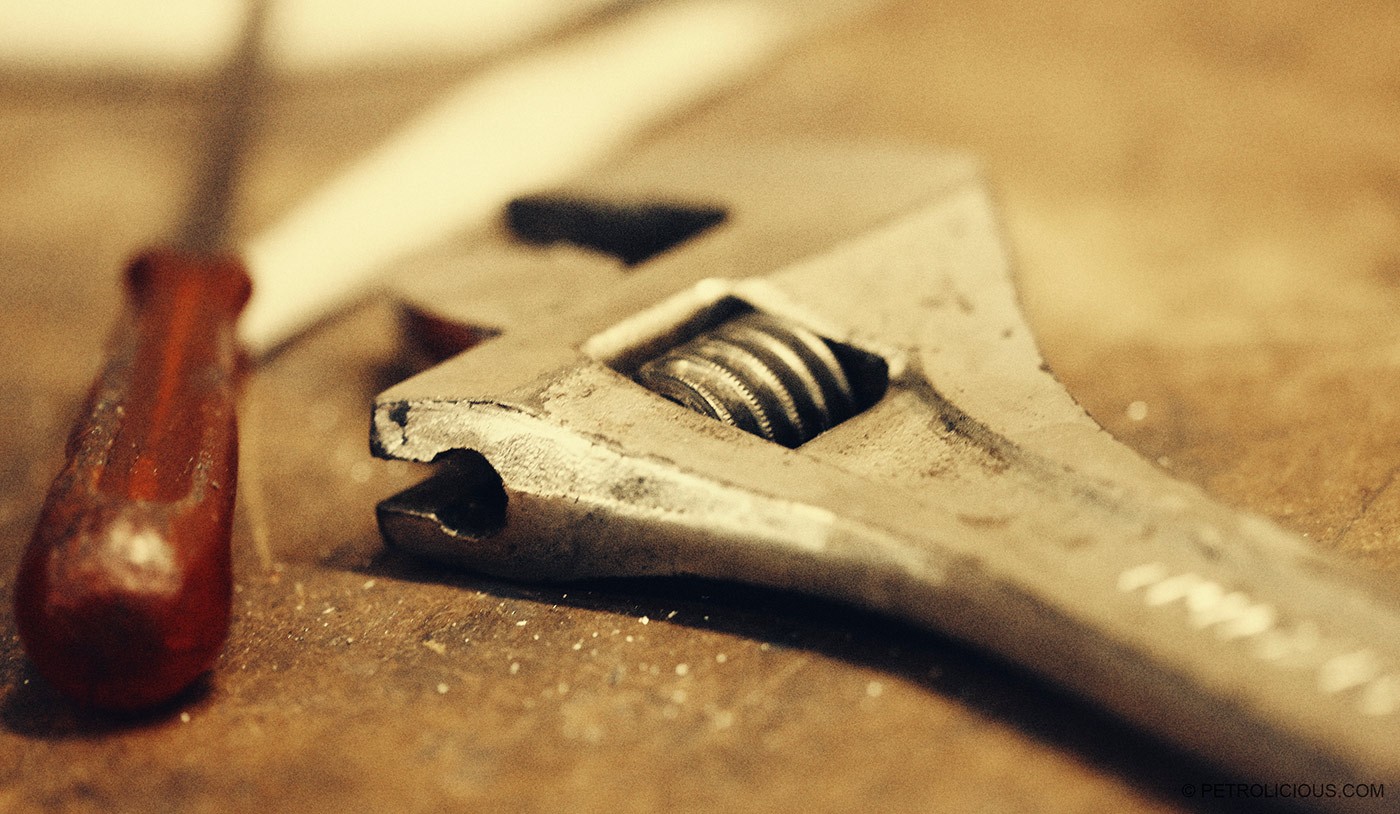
(1205, 203)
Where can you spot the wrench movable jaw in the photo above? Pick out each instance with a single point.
(974, 497)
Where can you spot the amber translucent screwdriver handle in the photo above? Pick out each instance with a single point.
(123, 595)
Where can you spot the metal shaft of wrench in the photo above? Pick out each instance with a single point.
(975, 497)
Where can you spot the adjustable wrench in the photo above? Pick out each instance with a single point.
(888, 436)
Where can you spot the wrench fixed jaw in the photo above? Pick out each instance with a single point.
(974, 497)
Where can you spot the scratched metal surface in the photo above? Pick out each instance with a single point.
(1205, 203)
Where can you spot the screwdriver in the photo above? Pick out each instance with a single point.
(123, 594)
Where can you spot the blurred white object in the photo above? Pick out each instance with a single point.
(190, 36)
(520, 125)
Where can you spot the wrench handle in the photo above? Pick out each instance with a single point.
(123, 595)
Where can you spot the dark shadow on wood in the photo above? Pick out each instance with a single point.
(943, 666)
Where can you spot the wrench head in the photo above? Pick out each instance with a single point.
(609, 279)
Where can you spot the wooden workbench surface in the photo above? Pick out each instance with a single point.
(1204, 201)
